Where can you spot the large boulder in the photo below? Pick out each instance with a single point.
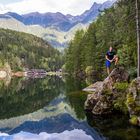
(117, 75)
(101, 101)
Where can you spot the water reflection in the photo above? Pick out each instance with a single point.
(24, 96)
(55, 104)
(51, 105)
(76, 100)
(49, 95)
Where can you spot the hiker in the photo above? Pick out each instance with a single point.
(111, 57)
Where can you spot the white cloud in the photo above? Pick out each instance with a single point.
(66, 135)
(73, 7)
(4, 9)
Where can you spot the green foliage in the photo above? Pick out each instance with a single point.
(25, 50)
(89, 70)
(73, 57)
(121, 87)
(116, 27)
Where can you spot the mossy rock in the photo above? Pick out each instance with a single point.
(121, 87)
(107, 92)
(130, 99)
(134, 83)
(134, 120)
(121, 107)
(120, 104)
(137, 109)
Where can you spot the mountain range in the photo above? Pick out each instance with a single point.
(56, 28)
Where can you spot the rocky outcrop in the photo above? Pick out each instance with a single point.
(115, 93)
(133, 101)
(117, 75)
(106, 93)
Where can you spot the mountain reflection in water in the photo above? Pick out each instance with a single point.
(54, 105)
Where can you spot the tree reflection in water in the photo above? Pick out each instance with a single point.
(24, 96)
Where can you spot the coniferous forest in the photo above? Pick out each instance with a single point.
(114, 27)
(24, 50)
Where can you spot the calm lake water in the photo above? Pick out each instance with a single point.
(54, 105)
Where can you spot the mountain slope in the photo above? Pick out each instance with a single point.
(47, 19)
(25, 50)
(91, 14)
(60, 21)
(56, 28)
(56, 38)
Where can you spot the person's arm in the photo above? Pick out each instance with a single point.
(107, 58)
(114, 55)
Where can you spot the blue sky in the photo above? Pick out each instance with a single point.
(74, 7)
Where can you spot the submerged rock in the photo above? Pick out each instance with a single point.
(105, 94)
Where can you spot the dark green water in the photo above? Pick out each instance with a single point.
(54, 105)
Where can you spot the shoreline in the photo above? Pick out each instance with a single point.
(4, 74)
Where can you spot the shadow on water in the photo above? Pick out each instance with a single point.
(114, 127)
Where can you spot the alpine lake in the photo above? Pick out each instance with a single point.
(55, 104)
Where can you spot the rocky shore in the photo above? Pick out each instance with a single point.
(115, 93)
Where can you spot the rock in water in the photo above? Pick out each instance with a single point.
(100, 102)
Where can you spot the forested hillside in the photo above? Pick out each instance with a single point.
(24, 50)
(115, 27)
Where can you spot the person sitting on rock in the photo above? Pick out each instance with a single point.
(110, 57)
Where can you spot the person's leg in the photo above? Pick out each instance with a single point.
(108, 70)
(108, 64)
